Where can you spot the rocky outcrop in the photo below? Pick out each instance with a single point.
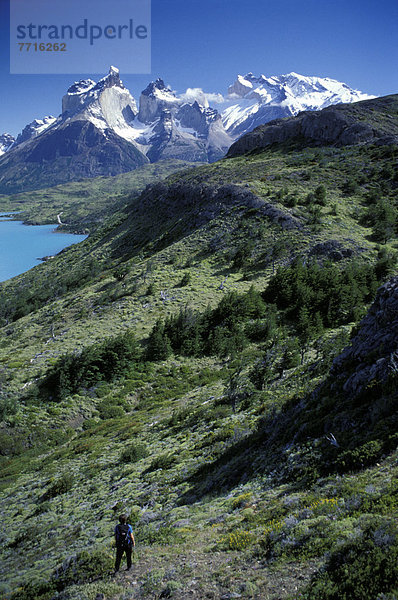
(335, 250)
(207, 202)
(372, 357)
(341, 125)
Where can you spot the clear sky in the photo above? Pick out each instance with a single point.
(206, 43)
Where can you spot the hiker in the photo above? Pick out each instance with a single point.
(125, 542)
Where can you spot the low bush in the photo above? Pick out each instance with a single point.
(360, 457)
(81, 568)
(162, 536)
(363, 569)
(163, 461)
(133, 453)
(59, 486)
(110, 411)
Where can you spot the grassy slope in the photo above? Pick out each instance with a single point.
(85, 203)
(216, 543)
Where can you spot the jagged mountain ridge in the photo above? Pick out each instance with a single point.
(101, 131)
(257, 100)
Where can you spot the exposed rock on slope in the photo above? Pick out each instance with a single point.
(209, 201)
(340, 125)
(372, 358)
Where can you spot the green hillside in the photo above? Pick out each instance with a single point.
(84, 204)
(185, 364)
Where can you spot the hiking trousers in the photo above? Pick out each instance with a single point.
(119, 555)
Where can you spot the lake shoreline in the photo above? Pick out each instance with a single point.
(24, 245)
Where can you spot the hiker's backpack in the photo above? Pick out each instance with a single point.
(124, 538)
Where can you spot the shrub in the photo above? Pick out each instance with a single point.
(120, 272)
(36, 588)
(350, 186)
(151, 290)
(163, 536)
(186, 279)
(238, 540)
(242, 500)
(320, 195)
(59, 486)
(83, 567)
(163, 461)
(8, 406)
(110, 411)
(134, 453)
(362, 569)
(360, 457)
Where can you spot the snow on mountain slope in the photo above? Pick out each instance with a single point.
(252, 100)
(34, 129)
(154, 99)
(6, 141)
(104, 131)
(107, 104)
(180, 129)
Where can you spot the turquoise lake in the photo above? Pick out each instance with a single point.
(22, 246)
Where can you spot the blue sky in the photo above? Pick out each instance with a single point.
(206, 43)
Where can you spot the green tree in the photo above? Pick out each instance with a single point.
(383, 217)
(159, 347)
(291, 354)
(320, 195)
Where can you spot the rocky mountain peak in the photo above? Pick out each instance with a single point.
(79, 87)
(154, 99)
(157, 86)
(256, 100)
(86, 91)
(110, 80)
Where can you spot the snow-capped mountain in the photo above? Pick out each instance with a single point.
(84, 141)
(6, 141)
(163, 127)
(102, 131)
(253, 101)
